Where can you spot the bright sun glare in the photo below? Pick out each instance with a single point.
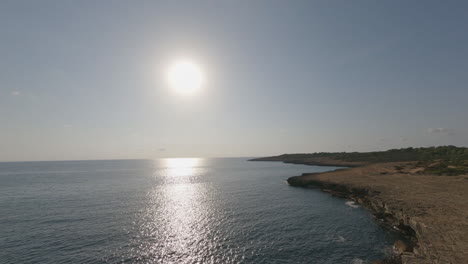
(185, 77)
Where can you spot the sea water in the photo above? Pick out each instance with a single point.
(222, 210)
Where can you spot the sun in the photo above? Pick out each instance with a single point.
(185, 77)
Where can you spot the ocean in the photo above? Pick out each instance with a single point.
(220, 210)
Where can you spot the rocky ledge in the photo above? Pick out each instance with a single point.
(431, 211)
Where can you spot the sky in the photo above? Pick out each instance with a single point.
(88, 79)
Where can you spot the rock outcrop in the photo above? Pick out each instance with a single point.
(429, 210)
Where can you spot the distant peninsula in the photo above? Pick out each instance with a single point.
(422, 192)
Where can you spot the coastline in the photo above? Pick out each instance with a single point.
(429, 210)
(322, 162)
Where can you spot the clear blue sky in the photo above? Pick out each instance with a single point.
(86, 79)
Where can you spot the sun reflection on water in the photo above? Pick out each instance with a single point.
(179, 215)
(182, 167)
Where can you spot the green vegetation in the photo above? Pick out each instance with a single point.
(449, 153)
(444, 167)
(444, 160)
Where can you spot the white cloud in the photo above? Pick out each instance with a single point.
(439, 130)
(15, 93)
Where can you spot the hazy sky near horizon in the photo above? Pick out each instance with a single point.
(87, 79)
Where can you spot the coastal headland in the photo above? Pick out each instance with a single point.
(421, 192)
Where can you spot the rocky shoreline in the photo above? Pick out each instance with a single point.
(430, 211)
(387, 218)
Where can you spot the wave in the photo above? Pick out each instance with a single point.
(351, 204)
